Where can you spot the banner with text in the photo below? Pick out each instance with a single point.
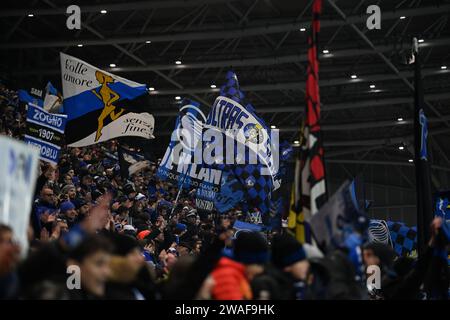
(177, 165)
(46, 132)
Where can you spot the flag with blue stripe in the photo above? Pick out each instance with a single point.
(101, 106)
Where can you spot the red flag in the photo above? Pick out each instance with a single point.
(309, 190)
(313, 172)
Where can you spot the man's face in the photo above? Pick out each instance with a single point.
(198, 247)
(139, 205)
(50, 173)
(370, 258)
(192, 219)
(72, 193)
(76, 151)
(298, 270)
(87, 181)
(252, 270)
(226, 222)
(68, 179)
(183, 251)
(94, 272)
(47, 195)
(84, 209)
(71, 214)
(109, 173)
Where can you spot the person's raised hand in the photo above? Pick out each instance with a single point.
(47, 217)
(205, 291)
(149, 248)
(44, 236)
(436, 224)
(163, 256)
(128, 203)
(51, 218)
(98, 216)
(56, 233)
(44, 216)
(115, 205)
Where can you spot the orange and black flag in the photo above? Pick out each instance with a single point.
(309, 192)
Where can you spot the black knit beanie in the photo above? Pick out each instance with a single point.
(251, 248)
(286, 250)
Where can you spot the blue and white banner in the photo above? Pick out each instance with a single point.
(178, 165)
(233, 116)
(46, 132)
(242, 123)
(101, 106)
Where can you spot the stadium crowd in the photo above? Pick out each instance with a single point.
(131, 239)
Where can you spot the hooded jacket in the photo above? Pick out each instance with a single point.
(230, 281)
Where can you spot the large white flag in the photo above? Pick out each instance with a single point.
(101, 106)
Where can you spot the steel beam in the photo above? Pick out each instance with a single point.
(328, 107)
(265, 28)
(245, 62)
(112, 7)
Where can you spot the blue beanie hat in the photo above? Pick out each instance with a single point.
(181, 226)
(66, 206)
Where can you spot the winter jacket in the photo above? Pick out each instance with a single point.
(273, 285)
(230, 282)
(333, 278)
